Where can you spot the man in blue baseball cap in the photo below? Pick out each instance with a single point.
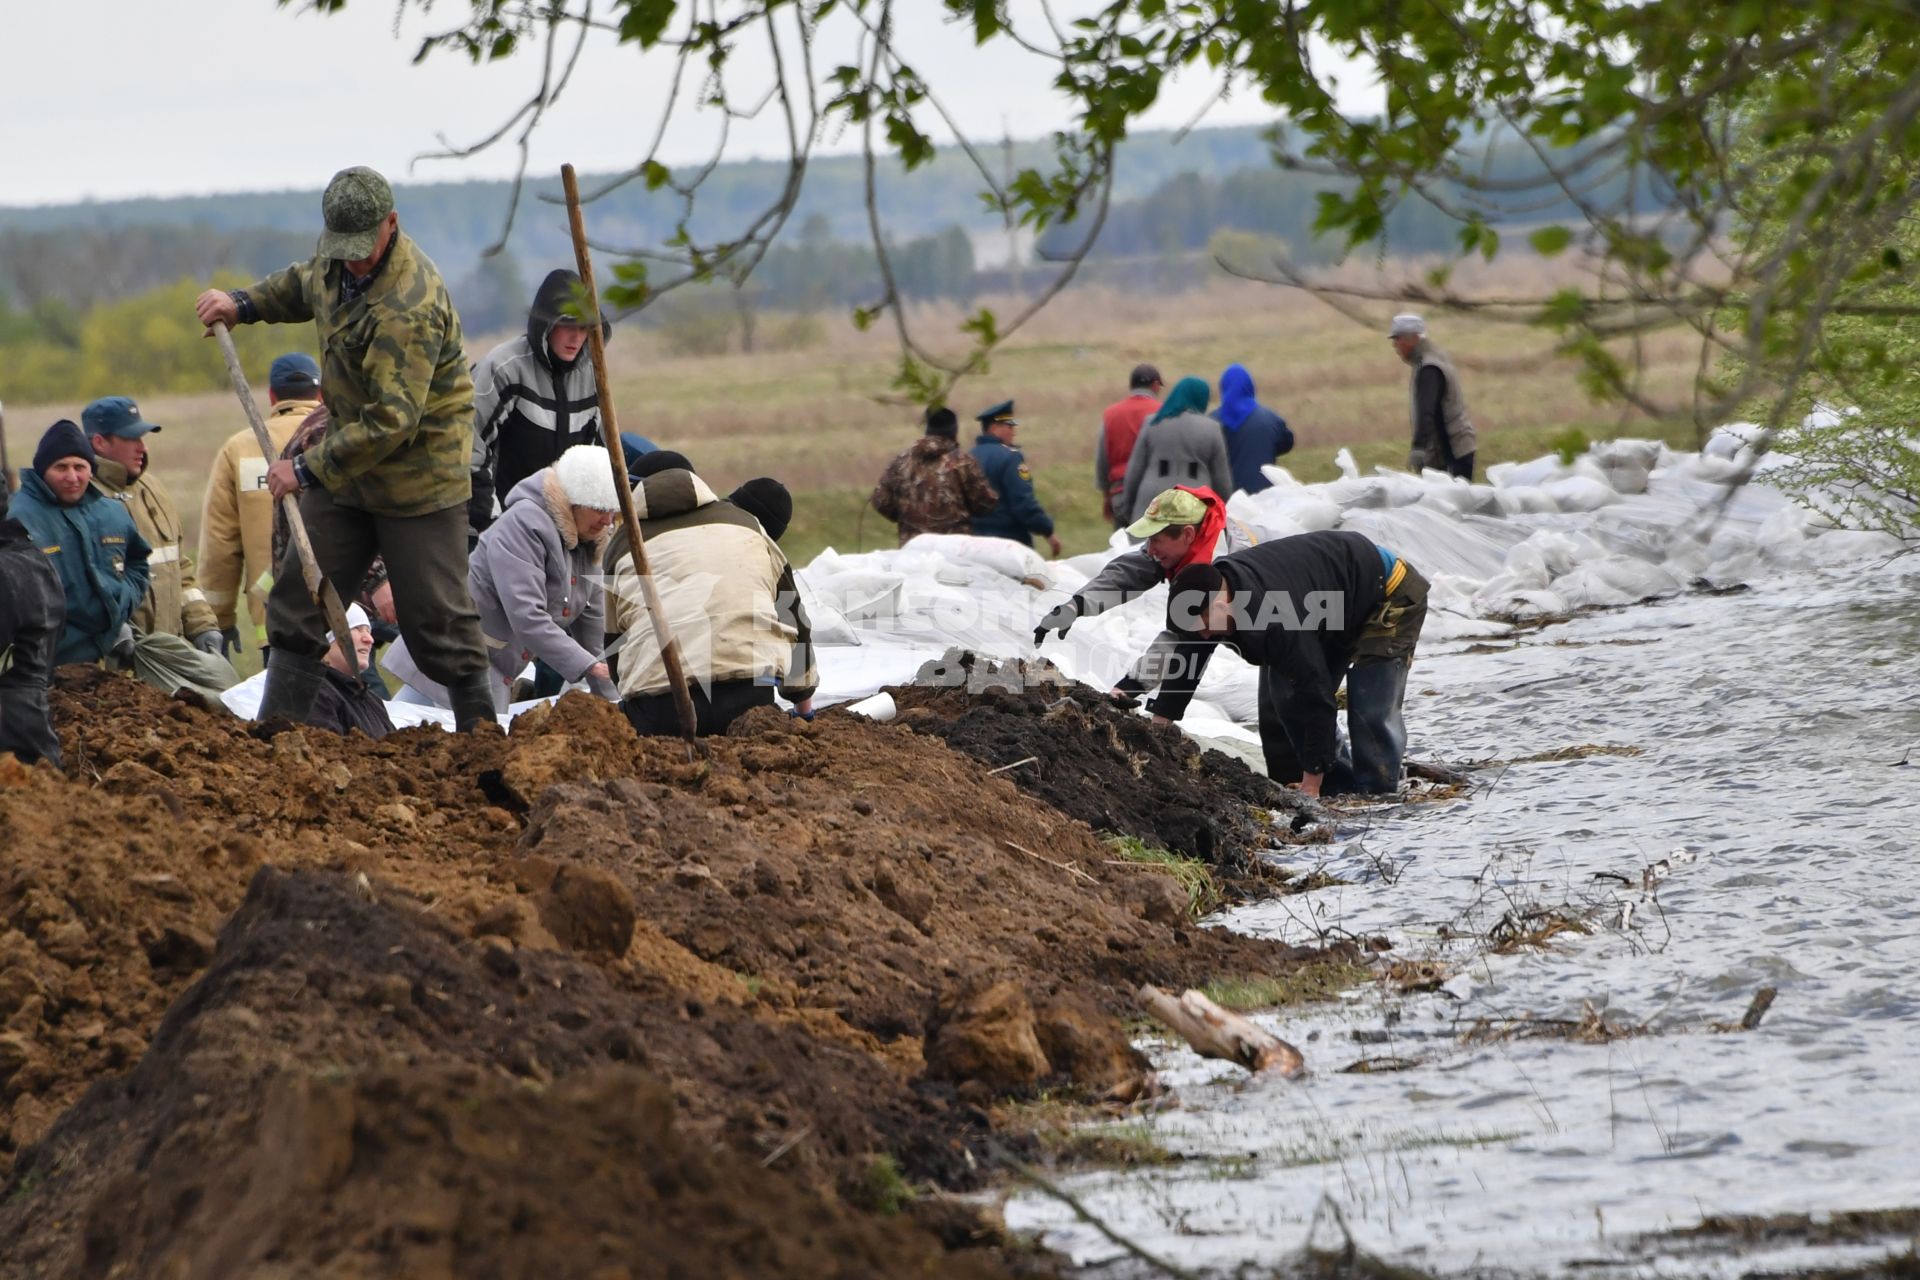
(174, 605)
(236, 522)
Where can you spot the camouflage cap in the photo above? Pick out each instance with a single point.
(357, 200)
(1169, 509)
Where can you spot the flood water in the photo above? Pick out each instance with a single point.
(1763, 836)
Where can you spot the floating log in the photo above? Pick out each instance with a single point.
(1215, 1033)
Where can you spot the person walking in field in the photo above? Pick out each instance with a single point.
(236, 518)
(392, 473)
(1018, 516)
(933, 487)
(1120, 426)
(1255, 434)
(1180, 445)
(1443, 434)
(533, 397)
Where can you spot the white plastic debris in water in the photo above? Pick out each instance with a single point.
(1764, 725)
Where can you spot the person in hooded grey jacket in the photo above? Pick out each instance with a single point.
(1180, 445)
(535, 578)
(533, 398)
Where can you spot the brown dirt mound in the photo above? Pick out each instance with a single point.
(353, 1089)
(1117, 771)
(774, 931)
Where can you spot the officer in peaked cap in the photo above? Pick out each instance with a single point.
(1018, 515)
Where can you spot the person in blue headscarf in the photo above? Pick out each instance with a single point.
(1256, 435)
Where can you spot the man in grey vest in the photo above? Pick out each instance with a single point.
(1443, 436)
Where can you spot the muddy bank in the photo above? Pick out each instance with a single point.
(1070, 747)
(546, 975)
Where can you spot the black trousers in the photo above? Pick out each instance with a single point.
(426, 562)
(26, 723)
(715, 707)
(1462, 467)
(1370, 762)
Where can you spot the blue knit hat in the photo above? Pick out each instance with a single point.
(64, 439)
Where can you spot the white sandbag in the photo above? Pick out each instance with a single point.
(829, 625)
(1003, 555)
(1526, 475)
(1527, 567)
(1580, 493)
(858, 594)
(1524, 500)
(1403, 490)
(1612, 582)
(1458, 497)
(1356, 493)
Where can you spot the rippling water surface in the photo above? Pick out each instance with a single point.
(1770, 724)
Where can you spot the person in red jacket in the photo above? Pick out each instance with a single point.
(1119, 428)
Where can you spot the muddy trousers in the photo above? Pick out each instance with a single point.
(426, 560)
(715, 706)
(1370, 757)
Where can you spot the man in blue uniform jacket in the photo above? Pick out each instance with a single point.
(1019, 514)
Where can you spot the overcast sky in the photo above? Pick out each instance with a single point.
(113, 98)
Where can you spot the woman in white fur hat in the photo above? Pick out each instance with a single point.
(535, 578)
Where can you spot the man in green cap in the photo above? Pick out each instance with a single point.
(390, 476)
(1182, 526)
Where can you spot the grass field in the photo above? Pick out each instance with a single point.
(825, 422)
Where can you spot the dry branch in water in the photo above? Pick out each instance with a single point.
(1215, 1033)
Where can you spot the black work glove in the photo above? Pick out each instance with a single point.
(209, 641)
(230, 642)
(1061, 619)
(122, 650)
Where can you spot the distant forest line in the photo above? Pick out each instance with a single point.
(78, 280)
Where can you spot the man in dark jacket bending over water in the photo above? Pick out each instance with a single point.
(1309, 611)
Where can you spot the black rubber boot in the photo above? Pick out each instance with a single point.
(472, 698)
(293, 682)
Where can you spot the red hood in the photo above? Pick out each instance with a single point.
(1210, 528)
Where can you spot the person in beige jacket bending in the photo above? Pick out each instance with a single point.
(730, 601)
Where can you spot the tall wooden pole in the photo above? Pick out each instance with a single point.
(318, 587)
(610, 434)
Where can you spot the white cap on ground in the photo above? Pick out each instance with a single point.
(356, 619)
(1407, 325)
(586, 476)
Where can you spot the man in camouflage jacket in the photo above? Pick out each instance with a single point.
(933, 487)
(390, 475)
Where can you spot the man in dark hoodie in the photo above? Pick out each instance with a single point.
(1309, 611)
(533, 398)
